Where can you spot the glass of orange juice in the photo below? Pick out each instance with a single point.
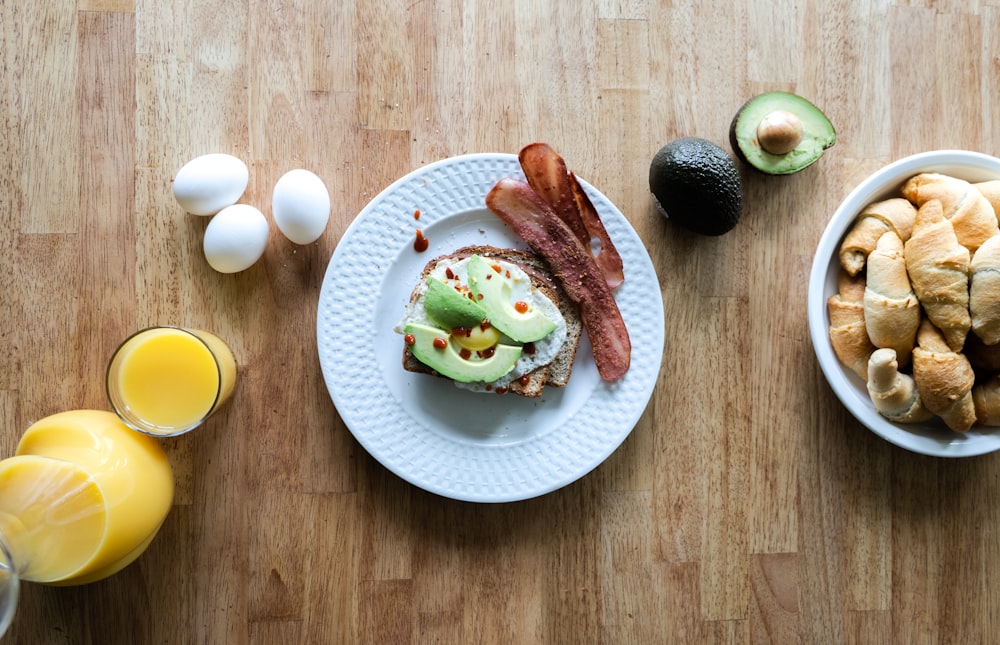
(165, 381)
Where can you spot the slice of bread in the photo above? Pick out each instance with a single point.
(557, 372)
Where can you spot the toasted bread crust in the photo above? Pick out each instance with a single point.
(556, 373)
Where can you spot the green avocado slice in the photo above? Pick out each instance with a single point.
(448, 362)
(449, 308)
(493, 293)
(780, 133)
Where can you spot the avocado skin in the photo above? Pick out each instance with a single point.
(817, 126)
(696, 184)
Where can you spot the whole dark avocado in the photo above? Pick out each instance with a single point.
(696, 184)
(779, 133)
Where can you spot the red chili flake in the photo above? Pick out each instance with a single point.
(486, 353)
(448, 273)
(497, 268)
(489, 276)
(440, 343)
(465, 353)
(502, 390)
(525, 379)
(416, 214)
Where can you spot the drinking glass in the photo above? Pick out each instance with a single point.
(165, 380)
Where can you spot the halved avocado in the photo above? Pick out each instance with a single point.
(780, 133)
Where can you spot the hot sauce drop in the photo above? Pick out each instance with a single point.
(521, 307)
(416, 214)
(420, 244)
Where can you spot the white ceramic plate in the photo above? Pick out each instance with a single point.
(931, 438)
(455, 443)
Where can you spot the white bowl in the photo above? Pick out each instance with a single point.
(931, 438)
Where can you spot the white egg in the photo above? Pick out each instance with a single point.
(301, 206)
(235, 238)
(207, 184)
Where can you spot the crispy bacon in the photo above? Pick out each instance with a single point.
(607, 256)
(548, 175)
(518, 205)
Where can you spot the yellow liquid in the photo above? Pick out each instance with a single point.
(54, 511)
(171, 379)
(83, 497)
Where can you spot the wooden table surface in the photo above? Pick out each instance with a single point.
(747, 505)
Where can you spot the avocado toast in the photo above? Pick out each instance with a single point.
(449, 338)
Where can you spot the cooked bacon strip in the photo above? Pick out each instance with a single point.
(520, 207)
(548, 175)
(607, 257)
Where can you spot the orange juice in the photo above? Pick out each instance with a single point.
(167, 380)
(53, 512)
(83, 497)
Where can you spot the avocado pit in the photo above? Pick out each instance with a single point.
(780, 132)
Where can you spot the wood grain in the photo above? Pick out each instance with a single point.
(746, 506)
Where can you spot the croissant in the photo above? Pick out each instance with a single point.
(986, 400)
(893, 392)
(944, 379)
(848, 334)
(991, 191)
(892, 311)
(984, 291)
(895, 214)
(938, 267)
(971, 214)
